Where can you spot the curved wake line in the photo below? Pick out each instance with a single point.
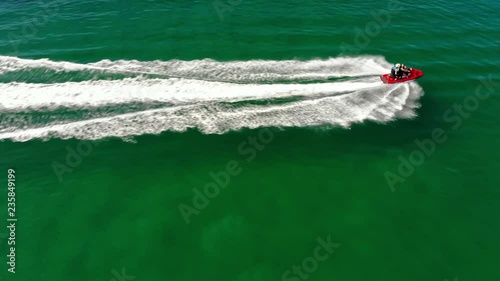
(213, 97)
(399, 102)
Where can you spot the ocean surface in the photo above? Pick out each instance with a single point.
(233, 140)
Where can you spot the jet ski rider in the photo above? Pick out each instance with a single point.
(405, 71)
(400, 71)
(395, 71)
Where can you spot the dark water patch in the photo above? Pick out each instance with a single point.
(41, 117)
(48, 76)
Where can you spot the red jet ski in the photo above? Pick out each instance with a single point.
(414, 74)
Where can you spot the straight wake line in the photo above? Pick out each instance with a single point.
(210, 70)
(23, 96)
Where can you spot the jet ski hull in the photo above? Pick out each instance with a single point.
(414, 74)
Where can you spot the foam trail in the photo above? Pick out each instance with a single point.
(212, 97)
(208, 69)
(255, 70)
(9, 64)
(22, 96)
(342, 111)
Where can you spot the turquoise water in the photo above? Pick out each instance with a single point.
(115, 115)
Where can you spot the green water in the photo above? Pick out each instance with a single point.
(116, 206)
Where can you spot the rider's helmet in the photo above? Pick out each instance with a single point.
(398, 65)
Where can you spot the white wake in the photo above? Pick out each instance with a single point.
(213, 97)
